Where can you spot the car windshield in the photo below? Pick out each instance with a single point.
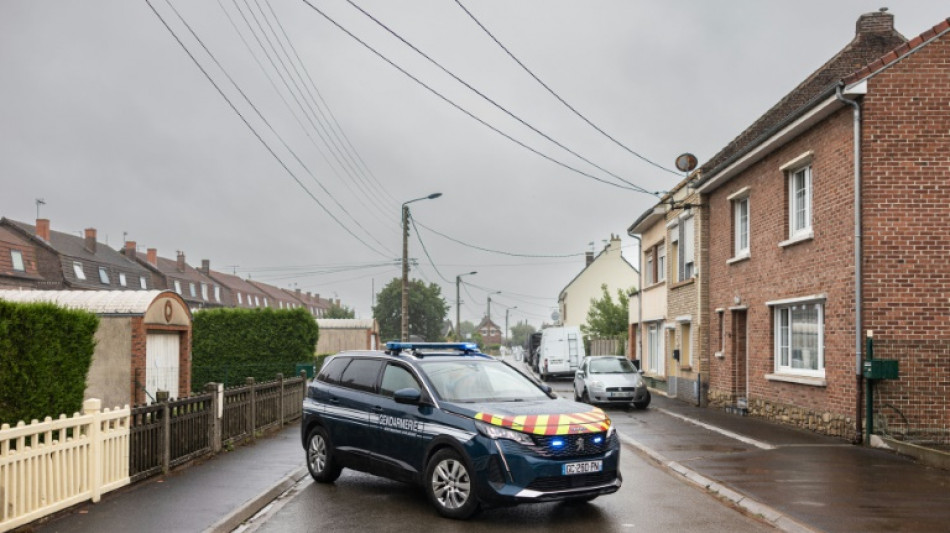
(611, 366)
(479, 381)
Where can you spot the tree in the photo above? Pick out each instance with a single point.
(337, 311)
(606, 319)
(427, 310)
(468, 329)
(520, 334)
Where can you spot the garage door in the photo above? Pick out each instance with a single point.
(161, 364)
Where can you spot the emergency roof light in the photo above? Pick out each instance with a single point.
(467, 348)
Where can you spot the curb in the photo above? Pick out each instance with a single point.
(744, 503)
(250, 508)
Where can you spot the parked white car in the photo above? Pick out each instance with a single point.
(610, 379)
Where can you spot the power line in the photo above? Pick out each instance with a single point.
(493, 102)
(265, 121)
(465, 111)
(501, 252)
(554, 94)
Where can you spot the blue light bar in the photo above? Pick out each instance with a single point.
(468, 347)
(557, 443)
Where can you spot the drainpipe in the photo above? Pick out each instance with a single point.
(639, 296)
(858, 344)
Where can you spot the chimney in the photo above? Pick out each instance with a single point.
(205, 266)
(91, 240)
(338, 303)
(152, 256)
(129, 250)
(877, 22)
(589, 256)
(297, 292)
(42, 228)
(181, 261)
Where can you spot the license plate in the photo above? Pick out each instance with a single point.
(585, 467)
(621, 394)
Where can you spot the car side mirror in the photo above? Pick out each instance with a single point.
(408, 396)
(549, 391)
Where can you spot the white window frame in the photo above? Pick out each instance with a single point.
(800, 208)
(143, 282)
(655, 353)
(686, 257)
(191, 289)
(648, 271)
(240, 299)
(661, 263)
(217, 293)
(16, 256)
(123, 281)
(783, 324)
(78, 270)
(178, 286)
(103, 275)
(204, 291)
(741, 210)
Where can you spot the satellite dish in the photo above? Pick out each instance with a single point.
(686, 162)
(555, 316)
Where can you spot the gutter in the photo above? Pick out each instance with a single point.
(855, 92)
(639, 294)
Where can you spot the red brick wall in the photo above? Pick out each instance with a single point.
(822, 265)
(906, 169)
(139, 342)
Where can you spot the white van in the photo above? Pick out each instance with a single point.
(561, 352)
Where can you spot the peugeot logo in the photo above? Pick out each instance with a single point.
(580, 444)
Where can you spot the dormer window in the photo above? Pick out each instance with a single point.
(78, 270)
(122, 280)
(17, 257)
(103, 275)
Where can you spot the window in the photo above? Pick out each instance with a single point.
(240, 299)
(123, 282)
(178, 286)
(361, 374)
(799, 338)
(103, 275)
(648, 271)
(655, 349)
(257, 301)
(143, 282)
(204, 291)
(17, 257)
(78, 270)
(686, 264)
(191, 289)
(217, 293)
(661, 262)
(396, 378)
(740, 209)
(265, 301)
(686, 354)
(722, 333)
(799, 202)
(331, 372)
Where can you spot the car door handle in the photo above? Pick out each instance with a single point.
(333, 400)
(378, 409)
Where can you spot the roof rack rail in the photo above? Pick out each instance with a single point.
(467, 348)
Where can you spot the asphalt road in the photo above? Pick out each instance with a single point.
(650, 500)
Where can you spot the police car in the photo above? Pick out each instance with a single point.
(472, 430)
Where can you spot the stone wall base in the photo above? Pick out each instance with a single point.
(824, 422)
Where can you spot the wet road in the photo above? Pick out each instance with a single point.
(651, 499)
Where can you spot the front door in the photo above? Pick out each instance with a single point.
(740, 370)
(161, 364)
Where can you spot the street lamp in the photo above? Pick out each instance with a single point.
(405, 263)
(489, 311)
(458, 304)
(506, 324)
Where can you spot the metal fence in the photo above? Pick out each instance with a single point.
(170, 433)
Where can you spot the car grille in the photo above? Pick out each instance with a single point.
(621, 389)
(572, 448)
(556, 483)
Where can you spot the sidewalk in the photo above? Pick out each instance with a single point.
(214, 496)
(796, 480)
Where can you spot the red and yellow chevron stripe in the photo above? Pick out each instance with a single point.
(593, 421)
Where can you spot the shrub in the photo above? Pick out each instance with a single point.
(45, 354)
(229, 345)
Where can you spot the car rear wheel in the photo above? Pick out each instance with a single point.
(449, 485)
(323, 468)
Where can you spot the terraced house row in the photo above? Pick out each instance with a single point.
(814, 242)
(37, 257)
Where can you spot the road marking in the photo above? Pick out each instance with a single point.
(747, 440)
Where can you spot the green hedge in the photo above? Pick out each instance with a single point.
(229, 345)
(45, 354)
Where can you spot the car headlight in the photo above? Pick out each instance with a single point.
(498, 432)
(597, 385)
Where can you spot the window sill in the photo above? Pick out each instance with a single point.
(812, 381)
(686, 368)
(739, 258)
(797, 239)
(654, 285)
(683, 283)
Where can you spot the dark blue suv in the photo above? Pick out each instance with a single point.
(469, 428)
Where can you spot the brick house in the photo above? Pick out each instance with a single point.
(18, 265)
(67, 261)
(490, 332)
(237, 292)
(827, 219)
(669, 335)
(198, 290)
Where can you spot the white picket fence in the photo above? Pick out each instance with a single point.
(48, 466)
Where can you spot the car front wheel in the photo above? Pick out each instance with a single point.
(449, 485)
(644, 403)
(323, 468)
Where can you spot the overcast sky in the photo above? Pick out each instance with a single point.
(105, 117)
